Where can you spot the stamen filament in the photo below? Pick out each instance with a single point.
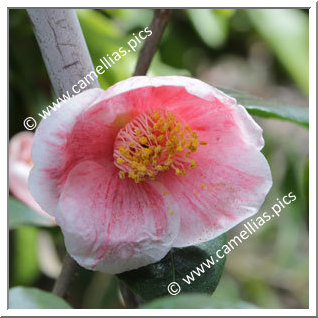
(155, 142)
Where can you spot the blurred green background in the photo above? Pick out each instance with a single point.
(258, 51)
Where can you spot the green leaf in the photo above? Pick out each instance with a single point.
(150, 282)
(20, 214)
(214, 30)
(24, 251)
(104, 36)
(262, 108)
(306, 188)
(287, 32)
(195, 301)
(33, 298)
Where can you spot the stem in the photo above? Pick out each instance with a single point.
(158, 24)
(63, 47)
(131, 300)
(69, 268)
(67, 60)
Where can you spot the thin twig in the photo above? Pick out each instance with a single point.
(131, 300)
(69, 268)
(158, 24)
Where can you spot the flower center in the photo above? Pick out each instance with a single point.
(153, 142)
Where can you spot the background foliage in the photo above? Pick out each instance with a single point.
(257, 51)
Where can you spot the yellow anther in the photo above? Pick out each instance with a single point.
(192, 145)
(160, 138)
(143, 140)
(170, 115)
(169, 143)
(203, 142)
(171, 212)
(158, 149)
(188, 129)
(155, 115)
(145, 153)
(150, 174)
(168, 162)
(164, 128)
(142, 167)
(155, 143)
(124, 151)
(120, 161)
(121, 174)
(134, 164)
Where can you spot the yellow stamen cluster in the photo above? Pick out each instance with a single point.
(155, 142)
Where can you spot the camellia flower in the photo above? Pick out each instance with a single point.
(20, 164)
(151, 163)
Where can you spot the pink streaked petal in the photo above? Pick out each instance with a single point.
(230, 180)
(197, 103)
(94, 117)
(114, 225)
(214, 197)
(193, 87)
(50, 142)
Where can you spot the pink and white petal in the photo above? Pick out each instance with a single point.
(20, 164)
(18, 185)
(84, 128)
(192, 86)
(50, 144)
(20, 147)
(198, 104)
(114, 225)
(240, 177)
(86, 125)
(217, 195)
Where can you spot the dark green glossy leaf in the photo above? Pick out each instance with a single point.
(150, 282)
(33, 298)
(195, 301)
(263, 108)
(20, 214)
